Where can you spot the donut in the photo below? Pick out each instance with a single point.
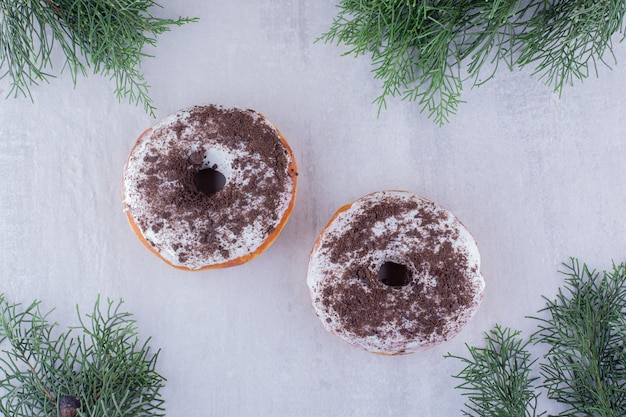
(394, 273)
(209, 187)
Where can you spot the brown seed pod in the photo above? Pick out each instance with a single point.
(68, 406)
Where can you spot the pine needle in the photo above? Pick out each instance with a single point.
(497, 378)
(426, 51)
(584, 368)
(98, 369)
(106, 37)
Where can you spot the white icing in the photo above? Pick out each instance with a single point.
(323, 271)
(168, 240)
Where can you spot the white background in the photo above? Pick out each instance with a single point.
(536, 179)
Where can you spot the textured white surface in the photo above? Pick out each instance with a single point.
(535, 178)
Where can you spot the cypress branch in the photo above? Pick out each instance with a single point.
(97, 369)
(106, 37)
(426, 51)
(584, 367)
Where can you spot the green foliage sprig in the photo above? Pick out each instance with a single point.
(497, 378)
(584, 368)
(106, 36)
(97, 369)
(425, 51)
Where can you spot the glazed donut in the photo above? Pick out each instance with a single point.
(394, 273)
(209, 187)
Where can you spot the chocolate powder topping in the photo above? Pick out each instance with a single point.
(170, 191)
(367, 307)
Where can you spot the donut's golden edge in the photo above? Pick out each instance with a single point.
(292, 171)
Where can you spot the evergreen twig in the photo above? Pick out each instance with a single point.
(425, 51)
(98, 369)
(497, 378)
(107, 37)
(585, 365)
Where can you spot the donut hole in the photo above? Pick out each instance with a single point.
(394, 274)
(209, 181)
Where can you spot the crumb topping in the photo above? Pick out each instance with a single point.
(405, 229)
(188, 226)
